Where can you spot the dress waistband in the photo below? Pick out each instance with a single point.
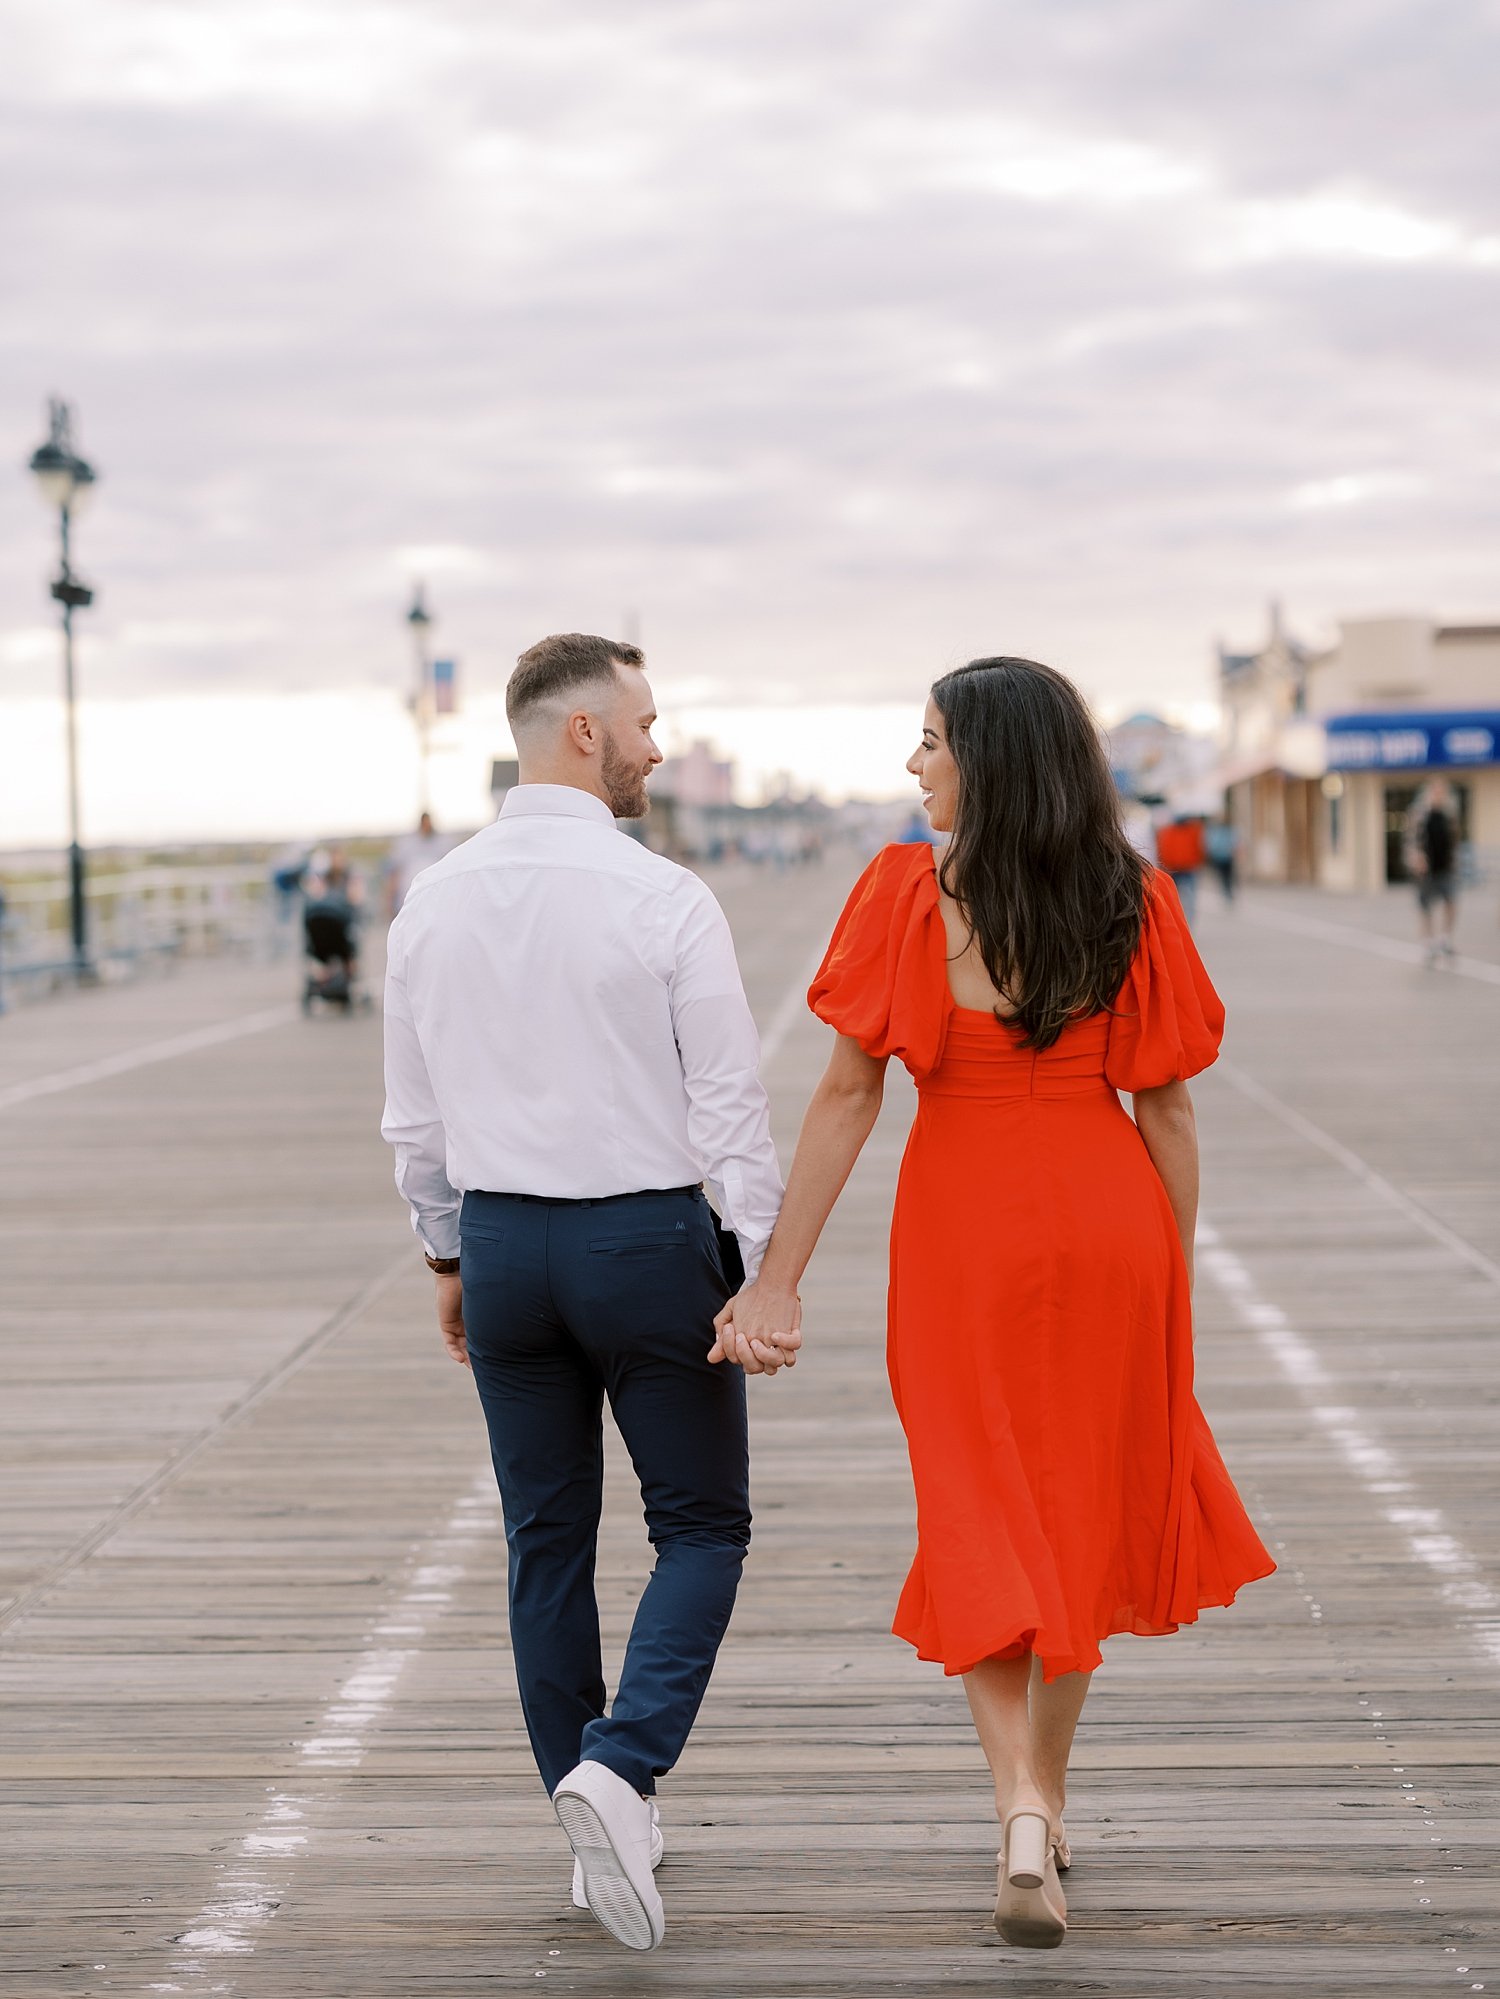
(976, 1084)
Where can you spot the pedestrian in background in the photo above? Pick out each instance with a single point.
(1180, 853)
(336, 891)
(409, 854)
(1221, 840)
(917, 832)
(286, 874)
(1432, 859)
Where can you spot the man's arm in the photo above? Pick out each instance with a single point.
(413, 1125)
(729, 1120)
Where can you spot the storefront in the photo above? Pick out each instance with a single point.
(1326, 746)
(1377, 761)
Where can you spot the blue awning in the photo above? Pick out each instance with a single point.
(1422, 740)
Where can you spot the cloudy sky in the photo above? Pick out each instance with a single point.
(838, 340)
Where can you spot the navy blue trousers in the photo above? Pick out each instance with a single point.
(566, 1302)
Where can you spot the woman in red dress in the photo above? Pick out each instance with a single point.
(1040, 1327)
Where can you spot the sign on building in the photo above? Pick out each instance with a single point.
(1426, 741)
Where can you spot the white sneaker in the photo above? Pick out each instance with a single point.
(608, 1824)
(580, 1900)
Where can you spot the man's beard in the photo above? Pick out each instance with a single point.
(624, 784)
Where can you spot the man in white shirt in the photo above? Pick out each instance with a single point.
(569, 1054)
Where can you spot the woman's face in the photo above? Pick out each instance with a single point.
(932, 765)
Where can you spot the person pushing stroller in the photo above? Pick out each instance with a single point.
(330, 930)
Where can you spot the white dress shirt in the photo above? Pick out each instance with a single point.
(564, 1015)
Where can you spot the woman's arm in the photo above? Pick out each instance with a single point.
(761, 1325)
(1165, 1121)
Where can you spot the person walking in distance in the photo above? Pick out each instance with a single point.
(1221, 840)
(409, 854)
(1180, 852)
(569, 1054)
(1432, 857)
(1040, 1340)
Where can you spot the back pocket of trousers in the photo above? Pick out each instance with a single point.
(646, 1242)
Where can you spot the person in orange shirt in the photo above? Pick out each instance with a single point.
(1181, 851)
(1040, 1324)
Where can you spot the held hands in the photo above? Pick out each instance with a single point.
(759, 1330)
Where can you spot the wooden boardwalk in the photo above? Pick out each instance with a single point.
(261, 1736)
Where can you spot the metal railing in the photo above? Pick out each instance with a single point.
(136, 917)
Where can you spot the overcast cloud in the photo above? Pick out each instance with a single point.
(840, 341)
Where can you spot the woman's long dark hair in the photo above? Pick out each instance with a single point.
(1038, 863)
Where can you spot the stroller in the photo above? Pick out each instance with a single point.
(328, 933)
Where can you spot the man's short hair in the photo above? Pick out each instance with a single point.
(563, 665)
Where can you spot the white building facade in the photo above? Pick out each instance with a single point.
(1328, 747)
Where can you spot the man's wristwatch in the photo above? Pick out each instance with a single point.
(445, 1266)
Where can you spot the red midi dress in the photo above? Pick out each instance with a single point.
(1040, 1336)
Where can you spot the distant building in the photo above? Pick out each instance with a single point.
(692, 801)
(1327, 746)
(1162, 765)
(1273, 755)
(696, 778)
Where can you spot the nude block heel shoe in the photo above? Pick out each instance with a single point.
(1029, 1909)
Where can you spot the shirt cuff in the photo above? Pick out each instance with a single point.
(752, 1254)
(438, 1234)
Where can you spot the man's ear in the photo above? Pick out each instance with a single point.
(583, 731)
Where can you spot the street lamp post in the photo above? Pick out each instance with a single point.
(66, 481)
(421, 621)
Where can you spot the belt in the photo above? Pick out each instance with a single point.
(590, 1201)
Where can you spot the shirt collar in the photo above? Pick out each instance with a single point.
(557, 801)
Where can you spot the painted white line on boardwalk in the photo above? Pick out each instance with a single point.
(1362, 1171)
(252, 1891)
(143, 1057)
(1459, 1577)
(1372, 941)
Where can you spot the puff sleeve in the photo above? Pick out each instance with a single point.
(1168, 1021)
(883, 979)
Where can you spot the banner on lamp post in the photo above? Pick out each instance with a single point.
(444, 687)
